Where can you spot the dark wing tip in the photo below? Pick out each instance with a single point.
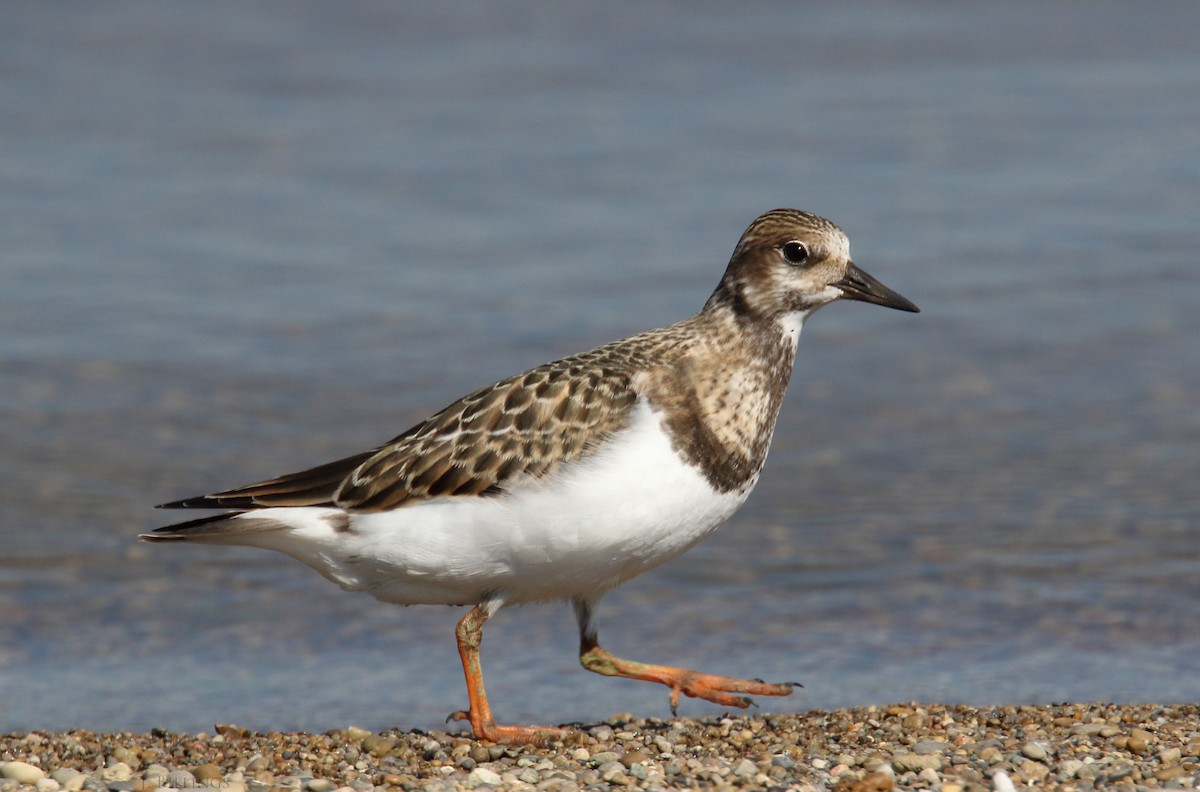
(211, 502)
(192, 529)
(154, 537)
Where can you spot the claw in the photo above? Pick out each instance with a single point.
(460, 715)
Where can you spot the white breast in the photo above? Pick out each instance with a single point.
(625, 509)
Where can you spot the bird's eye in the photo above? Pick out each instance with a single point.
(795, 252)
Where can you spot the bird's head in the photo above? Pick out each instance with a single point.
(789, 263)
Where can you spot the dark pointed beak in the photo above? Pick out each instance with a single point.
(858, 285)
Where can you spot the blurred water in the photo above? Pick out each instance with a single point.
(243, 238)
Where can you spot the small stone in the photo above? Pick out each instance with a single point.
(22, 772)
(602, 733)
(745, 769)
(480, 754)
(480, 776)
(1086, 729)
(615, 774)
(229, 730)
(1108, 730)
(784, 761)
(181, 779)
(604, 757)
(1068, 768)
(1170, 773)
(47, 785)
(930, 775)
(208, 774)
(115, 772)
(319, 785)
(927, 747)
(1141, 734)
(378, 746)
(1032, 771)
(120, 786)
(1119, 772)
(357, 733)
(581, 754)
(257, 762)
(64, 774)
(1034, 750)
(634, 757)
(871, 782)
(818, 763)
(991, 754)
(1170, 756)
(93, 784)
(528, 776)
(916, 762)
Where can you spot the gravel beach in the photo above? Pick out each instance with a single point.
(903, 746)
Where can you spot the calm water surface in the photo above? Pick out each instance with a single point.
(243, 239)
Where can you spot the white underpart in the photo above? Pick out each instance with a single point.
(629, 507)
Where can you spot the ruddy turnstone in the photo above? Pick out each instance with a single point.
(569, 479)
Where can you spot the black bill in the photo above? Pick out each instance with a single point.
(858, 285)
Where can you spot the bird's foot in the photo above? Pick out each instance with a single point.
(488, 729)
(720, 689)
(710, 687)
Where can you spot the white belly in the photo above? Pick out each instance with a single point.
(627, 508)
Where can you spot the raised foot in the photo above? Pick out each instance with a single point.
(719, 689)
(710, 687)
(511, 735)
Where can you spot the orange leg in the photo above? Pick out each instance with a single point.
(469, 633)
(717, 689)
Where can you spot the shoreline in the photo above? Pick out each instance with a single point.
(859, 749)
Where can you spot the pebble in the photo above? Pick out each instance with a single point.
(745, 769)
(869, 749)
(378, 746)
(22, 772)
(181, 779)
(1034, 750)
(929, 747)
(64, 775)
(480, 776)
